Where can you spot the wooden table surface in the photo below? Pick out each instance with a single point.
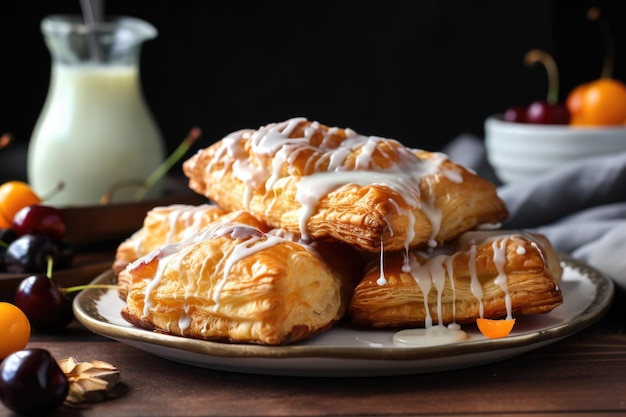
(582, 375)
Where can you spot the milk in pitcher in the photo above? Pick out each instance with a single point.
(94, 133)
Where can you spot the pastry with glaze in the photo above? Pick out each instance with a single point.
(491, 274)
(328, 182)
(233, 282)
(163, 225)
(171, 224)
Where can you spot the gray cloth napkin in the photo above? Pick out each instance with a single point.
(580, 207)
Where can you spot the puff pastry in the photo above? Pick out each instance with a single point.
(484, 274)
(163, 225)
(322, 182)
(172, 224)
(233, 282)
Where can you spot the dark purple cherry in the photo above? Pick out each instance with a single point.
(30, 253)
(8, 235)
(40, 220)
(32, 383)
(3, 264)
(47, 308)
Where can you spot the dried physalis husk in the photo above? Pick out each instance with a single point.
(89, 381)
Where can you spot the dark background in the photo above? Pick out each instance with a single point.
(422, 72)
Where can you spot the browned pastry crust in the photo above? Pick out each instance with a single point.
(235, 283)
(524, 263)
(163, 225)
(171, 224)
(323, 182)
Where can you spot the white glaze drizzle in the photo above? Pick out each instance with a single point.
(438, 266)
(475, 286)
(499, 242)
(431, 336)
(272, 142)
(242, 250)
(222, 227)
(539, 250)
(184, 321)
(421, 275)
(382, 280)
(191, 216)
(499, 259)
(438, 275)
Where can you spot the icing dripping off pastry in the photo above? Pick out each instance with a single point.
(433, 270)
(432, 274)
(326, 159)
(312, 184)
(381, 278)
(499, 259)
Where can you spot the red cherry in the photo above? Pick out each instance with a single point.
(541, 112)
(47, 309)
(40, 220)
(516, 114)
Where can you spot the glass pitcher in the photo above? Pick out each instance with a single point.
(95, 132)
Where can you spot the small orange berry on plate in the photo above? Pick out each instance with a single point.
(495, 329)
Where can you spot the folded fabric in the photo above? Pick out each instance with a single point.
(580, 206)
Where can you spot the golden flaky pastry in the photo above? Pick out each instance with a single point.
(485, 274)
(321, 182)
(235, 283)
(171, 224)
(163, 225)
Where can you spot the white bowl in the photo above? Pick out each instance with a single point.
(521, 151)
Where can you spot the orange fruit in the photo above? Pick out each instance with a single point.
(15, 195)
(494, 329)
(599, 103)
(14, 328)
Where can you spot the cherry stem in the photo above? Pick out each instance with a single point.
(49, 266)
(534, 56)
(76, 288)
(57, 188)
(594, 15)
(157, 174)
(108, 196)
(162, 169)
(89, 287)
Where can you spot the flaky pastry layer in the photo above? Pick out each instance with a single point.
(323, 182)
(235, 283)
(169, 225)
(485, 274)
(163, 225)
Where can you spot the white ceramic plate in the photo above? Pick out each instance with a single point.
(348, 352)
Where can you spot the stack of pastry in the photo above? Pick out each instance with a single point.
(309, 225)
